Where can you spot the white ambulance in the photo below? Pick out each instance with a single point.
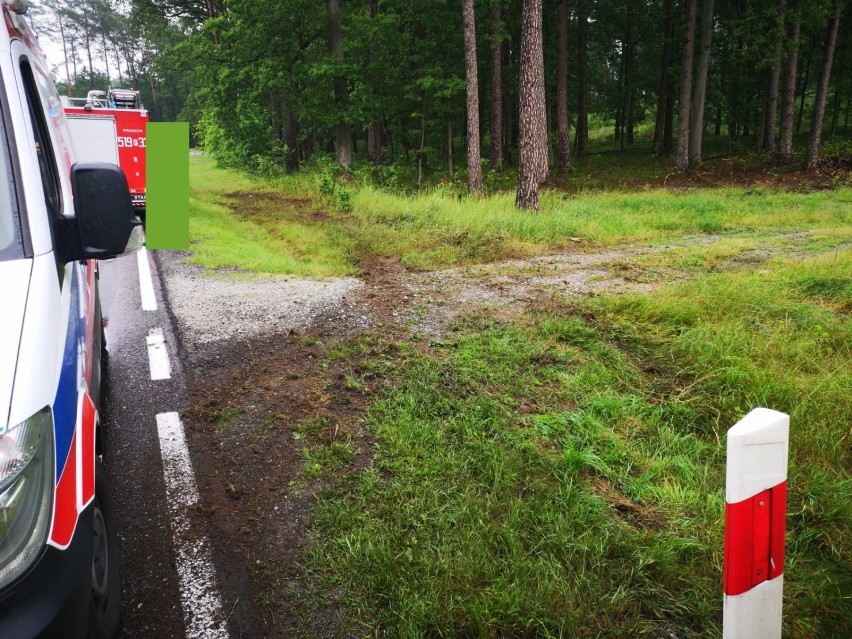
(58, 568)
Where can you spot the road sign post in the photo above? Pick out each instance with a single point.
(755, 513)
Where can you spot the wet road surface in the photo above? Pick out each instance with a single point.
(151, 605)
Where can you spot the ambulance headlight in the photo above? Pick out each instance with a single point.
(26, 492)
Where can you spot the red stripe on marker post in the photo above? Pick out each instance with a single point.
(755, 514)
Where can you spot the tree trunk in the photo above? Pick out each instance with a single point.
(803, 89)
(70, 88)
(343, 145)
(532, 113)
(770, 108)
(835, 111)
(662, 93)
(474, 167)
(106, 56)
(291, 137)
(274, 119)
(374, 134)
(449, 143)
(73, 48)
(496, 158)
(421, 151)
(510, 119)
(156, 108)
(785, 138)
(682, 160)
(822, 88)
(582, 109)
(117, 64)
(668, 131)
(626, 132)
(87, 37)
(697, 111)
(562, 134)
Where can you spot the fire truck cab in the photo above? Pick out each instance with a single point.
(129, 118)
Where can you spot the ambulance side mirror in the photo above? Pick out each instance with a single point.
(107, 225)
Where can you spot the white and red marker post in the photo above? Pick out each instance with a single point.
(755, 513)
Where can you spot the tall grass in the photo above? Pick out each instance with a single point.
(266, 236)
(440, 227)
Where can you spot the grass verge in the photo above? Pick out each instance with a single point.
(563, 475)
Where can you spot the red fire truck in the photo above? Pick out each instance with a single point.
(93, 142)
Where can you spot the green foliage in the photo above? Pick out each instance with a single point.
(344, 197)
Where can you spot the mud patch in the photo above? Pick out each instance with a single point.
(258, 406)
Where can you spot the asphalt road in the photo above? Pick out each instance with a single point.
(151, 594)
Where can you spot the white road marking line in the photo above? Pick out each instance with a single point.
(158, 356)
(202, 605)
(146, 284)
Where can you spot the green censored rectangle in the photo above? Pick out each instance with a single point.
(167, 188)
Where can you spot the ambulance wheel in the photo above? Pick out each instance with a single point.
(105, 609)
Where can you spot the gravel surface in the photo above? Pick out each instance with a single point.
(212, 307)
(219, 306)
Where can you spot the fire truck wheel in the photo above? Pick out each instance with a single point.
(105, 610)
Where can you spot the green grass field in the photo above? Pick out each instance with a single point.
(300, 228)
(562, 475)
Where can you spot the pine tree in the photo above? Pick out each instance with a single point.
(822, 87)
(474, 168)
(562, 135)
(343, 146)
(682, 160)
(696, 133)
(785, 137)
(532, 111)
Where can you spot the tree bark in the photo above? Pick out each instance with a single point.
(682, 159)
(474, 167)
(662, 92)
(697, 110)
(785, 138)
(374, 134)
(343, 137)
(822, 88)
(532, 112)
(582, 108)
(770, 107)
(562, 134)
(496, 157)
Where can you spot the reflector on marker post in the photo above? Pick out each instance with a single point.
(755, 513)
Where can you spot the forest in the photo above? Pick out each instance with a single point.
(429, 86)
